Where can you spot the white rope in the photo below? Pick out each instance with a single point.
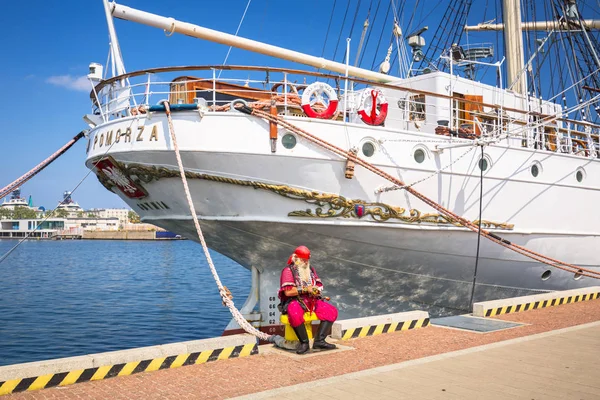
(237, 315)
(395, 187)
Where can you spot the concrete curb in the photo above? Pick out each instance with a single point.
(524, 303)
(370, 326)
(67, 371)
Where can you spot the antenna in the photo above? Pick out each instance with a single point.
(416, 42)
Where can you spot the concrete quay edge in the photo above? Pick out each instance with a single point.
(375, 325)
(69, 370)
(524, 303)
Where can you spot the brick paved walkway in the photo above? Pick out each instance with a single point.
(560, 364)
(236, 377)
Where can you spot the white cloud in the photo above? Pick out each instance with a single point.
(79, 83)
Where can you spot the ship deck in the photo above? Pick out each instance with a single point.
(552, 355)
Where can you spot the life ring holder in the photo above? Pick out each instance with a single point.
(377, 97)
(317, 89)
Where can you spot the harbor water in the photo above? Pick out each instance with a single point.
(69, 298)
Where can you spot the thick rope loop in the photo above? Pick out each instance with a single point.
(235, 313)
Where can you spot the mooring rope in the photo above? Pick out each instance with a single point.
(237, 315)
(466, 223)
(38, 168)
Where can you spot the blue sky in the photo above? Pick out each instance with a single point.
(48, 45)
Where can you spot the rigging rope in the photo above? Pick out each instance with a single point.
(236, 33)
(38, 168)
(42, 166)
(237, 315)
(464, 222)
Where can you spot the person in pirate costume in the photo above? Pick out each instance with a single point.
(300, 292)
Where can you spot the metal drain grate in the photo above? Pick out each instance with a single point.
(470, 323)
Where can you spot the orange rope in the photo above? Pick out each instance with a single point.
(468, 224)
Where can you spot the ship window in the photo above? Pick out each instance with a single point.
(579, 176)
(535, 171)
(419, 156)
(546, 275)
(368, 149)
(483, 164)
(289, 141)
(417, 108)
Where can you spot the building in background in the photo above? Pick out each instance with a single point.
(71, 207)
(122, 214)
(19, 219)
(16, 201)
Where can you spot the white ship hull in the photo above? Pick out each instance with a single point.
(256, 207)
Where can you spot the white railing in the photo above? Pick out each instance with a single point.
(411, 110)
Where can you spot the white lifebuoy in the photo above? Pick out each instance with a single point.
(313, 94)
(376, 97)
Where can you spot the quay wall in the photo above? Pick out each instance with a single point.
(119, 235)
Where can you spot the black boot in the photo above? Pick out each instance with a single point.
(303, 337)
(320, 342)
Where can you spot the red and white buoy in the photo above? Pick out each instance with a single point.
(372, 99)
(315, 93)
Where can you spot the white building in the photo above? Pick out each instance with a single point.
(69, 205)
(94, 223)
(122, 214)
(19, 228)
(16, 200)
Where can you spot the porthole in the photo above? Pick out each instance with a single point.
(578, 275)
(483, 164)
(535, 171)
(546, 275)
(368, 149)
(419, 156)
(579, 176)
(288, 141)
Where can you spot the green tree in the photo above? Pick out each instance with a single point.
(61, 213)
(133, 217)
(24, 213)
(5, 213)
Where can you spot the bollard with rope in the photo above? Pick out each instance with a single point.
(224, 293)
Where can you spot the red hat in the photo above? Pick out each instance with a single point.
(302, 252)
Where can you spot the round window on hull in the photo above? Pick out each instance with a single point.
(419, 156)
(546, 275)
(289, 141)
(368, 149)
(483, 164)
(535, 171)
(579, 176)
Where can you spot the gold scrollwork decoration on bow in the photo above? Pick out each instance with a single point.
(328, 205)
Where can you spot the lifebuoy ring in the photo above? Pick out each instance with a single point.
(313, 94)
(377, 98)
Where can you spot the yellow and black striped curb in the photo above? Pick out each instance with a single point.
(372, 330)
(130, 368)
(490, 312)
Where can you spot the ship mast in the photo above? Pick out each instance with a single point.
(171, 25)
(513, 39)
(118, 67)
